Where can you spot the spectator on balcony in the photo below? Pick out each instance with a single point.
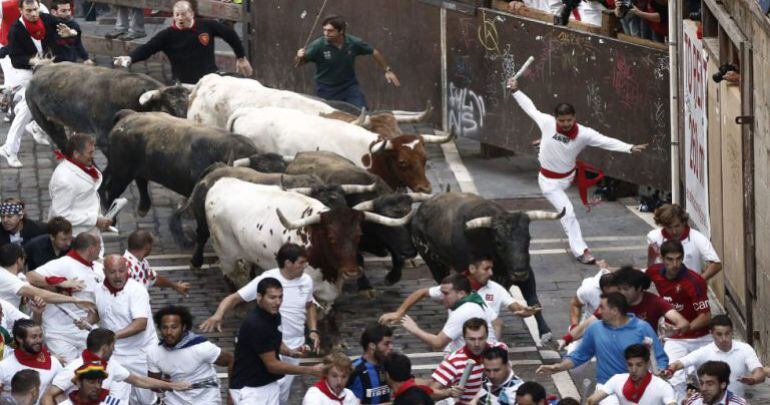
(654, 16)
(129, 24)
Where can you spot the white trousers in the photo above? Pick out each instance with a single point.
(10, 73)
(676, 349)
(23, 115)
(265, 395)
(136, 363)
(553, 191)
(286, 381)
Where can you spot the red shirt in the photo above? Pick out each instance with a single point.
(688, 293)
(11, 13)
(650, 309)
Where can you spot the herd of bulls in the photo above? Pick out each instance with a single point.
(261, 167)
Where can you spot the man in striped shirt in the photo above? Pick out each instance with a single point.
(714, 376)
(450, 371)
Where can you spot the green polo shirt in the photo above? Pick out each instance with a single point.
(334, 66)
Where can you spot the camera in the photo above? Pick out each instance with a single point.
(623, 7)
(720, 75)
(562, 15)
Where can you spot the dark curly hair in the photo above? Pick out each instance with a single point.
(182, 312)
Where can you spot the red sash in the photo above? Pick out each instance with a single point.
(581, 180)
(633, 392)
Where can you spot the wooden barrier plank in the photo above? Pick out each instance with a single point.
(206, 8)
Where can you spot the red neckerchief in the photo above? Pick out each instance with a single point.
(633, 392)
(178, 28)
(472, 356)
(571, 134)
(111, 289)
(90, 170)
(90, 357)
(76, 401)
(41, 360)
(685, 234)
(75, 255)
(409, 384)
(323, 386)
(36, 29)
(475, 286)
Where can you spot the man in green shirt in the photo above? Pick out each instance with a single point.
(334, 55)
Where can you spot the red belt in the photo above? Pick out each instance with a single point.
(583, 182)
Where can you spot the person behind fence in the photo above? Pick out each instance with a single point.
(54, 244)
(129, 24)
(17, 228)
(334, 55)
(189, 46)
(25, 388)
(140, 243)
(68, 49)
(638, 385)
(561, 141)
(714, 378)
(368, 379)
(330, 389)
(653, 19)
(183, 355)
(29, 39)
(30, 353)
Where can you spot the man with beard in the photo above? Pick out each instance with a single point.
(100, 345)
(124, 307)
(90, 378)
(30, 353)
(500, 382)
(368, 379)
(69, 49)
(638, 386)
(561, 141)
(330, 389)
(17, 228)
(185, 356)
(714, 376)
(51, 246)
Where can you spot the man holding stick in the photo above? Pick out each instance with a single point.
(561, 141)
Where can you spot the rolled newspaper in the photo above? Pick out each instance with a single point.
(113, 211)
(466, 373)
(72, 315)
(524, 67)
(653, 360)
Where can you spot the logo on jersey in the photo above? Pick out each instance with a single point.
(204, 39)
(561, 138)
(328, 55)
(489, 297)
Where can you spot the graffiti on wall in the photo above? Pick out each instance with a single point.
(466, 111)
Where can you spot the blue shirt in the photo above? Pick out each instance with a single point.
(608, 345)
(368, 383)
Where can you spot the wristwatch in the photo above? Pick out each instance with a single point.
(388, 69)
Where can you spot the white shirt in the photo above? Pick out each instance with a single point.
(10, 284)
(591, 12)
(10, 366)
(314, 396)
(118, 311)
(697, 249)
(55, 321)
(74, 196)
(658, 392)
(453, 327)
(494, 294)
(556, 154)
(194, 363)
(732, 400)
(63, 379)
(10, 315)
(297, 294)
(589, 293)
(742, 360)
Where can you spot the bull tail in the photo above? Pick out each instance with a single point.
(234, 118)
(120, 115)
(181, 237)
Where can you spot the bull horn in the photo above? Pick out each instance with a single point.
(539, 215)
(357, 188)
(148, 96)
(242, 162)
(364, 206)
(387, 221)
(443, 138)
(384, 145)
(480, 222)
(301, 190)
(288, 158)
(301, 223)
(361, 120)
(230, 157)
(407, 117)
(419, 197)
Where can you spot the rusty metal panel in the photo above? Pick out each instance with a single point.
(619, 89)
(405, 31)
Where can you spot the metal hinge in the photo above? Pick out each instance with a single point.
(744, 119)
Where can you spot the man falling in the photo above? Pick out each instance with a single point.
(561, 141)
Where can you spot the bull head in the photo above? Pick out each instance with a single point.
(170, 99)
(486, 222)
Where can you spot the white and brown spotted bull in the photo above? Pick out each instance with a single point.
(451, 228)
(85, 98)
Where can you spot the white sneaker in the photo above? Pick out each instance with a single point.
(13, 161)
(37, 133)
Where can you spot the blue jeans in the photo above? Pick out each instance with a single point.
(348, 92)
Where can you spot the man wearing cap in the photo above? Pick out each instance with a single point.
(30, 353)
(17, 228)
(89, 379)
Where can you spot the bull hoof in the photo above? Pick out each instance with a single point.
(392, 277)
(142, 213)
(367, 294)
(196, 269)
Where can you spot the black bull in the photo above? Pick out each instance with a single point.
(85, 98)
(170, 151)
(450, 229)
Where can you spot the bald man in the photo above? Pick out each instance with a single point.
(124, 307)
